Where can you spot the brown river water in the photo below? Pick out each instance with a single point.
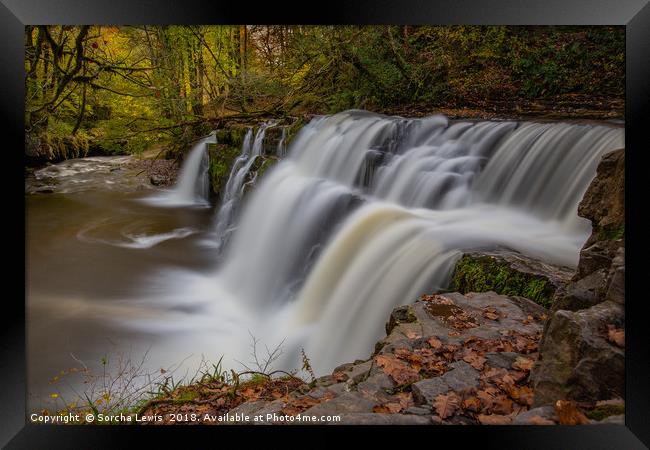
(92, 247)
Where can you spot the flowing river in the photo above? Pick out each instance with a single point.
(363, 213)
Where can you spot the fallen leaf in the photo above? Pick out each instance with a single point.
(616, 336)
(521, 394)
(339, 376)
(491, 313)
(472, 404)
(435, 343)
(446, 404)
(475, 360)
(569, 414)
(387, 408)
(522, 363)
(398, 370)
(502, 405)
(412, 335)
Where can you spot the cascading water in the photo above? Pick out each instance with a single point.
(234, 190)
(367, 212)
(193, 185)
(282, 148)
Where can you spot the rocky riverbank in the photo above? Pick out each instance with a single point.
(471, 358)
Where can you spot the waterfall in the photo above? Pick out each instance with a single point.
(193, 185)
(367, 212)
(234, 190)
(282, 149)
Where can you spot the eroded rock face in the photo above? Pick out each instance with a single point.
(579, 358)
(604, 201)
(579, 361)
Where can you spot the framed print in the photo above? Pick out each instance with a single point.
(376, 217)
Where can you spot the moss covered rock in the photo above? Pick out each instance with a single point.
(509, 273)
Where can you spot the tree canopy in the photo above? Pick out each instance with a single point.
(123, 89)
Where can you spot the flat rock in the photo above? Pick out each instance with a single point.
(461, 377)
(501, 360)
(348, 402)
(425, 391)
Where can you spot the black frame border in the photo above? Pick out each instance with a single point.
(16, 432)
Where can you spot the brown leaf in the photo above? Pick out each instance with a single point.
(472, 404)
(569, 414)
(502, 405)
(493, 419)
(387, 408)
(412, 334)
(398, 370)
(446, 404)
(521, 394)
(340, 376)
(435, 343)
(539, 420)
(475, 360)
(616, 336)
(491, 313)
(522, 363)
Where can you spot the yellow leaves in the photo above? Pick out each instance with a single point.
(54, 395)
(568, 413)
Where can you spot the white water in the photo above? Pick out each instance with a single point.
(193, 185)
(234, 190)
(368, 212)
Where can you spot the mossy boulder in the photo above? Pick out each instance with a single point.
(222, 157)
(509, 273)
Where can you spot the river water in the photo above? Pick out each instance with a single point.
(365, 213)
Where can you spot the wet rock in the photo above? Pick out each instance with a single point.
(399, 315)
(426, 391)
(577, 361)
(546, 412)
(604, 201)
(375, 386)
(461, 377)
(348, 402)
(355, 372)
(616, 289)
(501, 360)
(418, 411)
(583, 293)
